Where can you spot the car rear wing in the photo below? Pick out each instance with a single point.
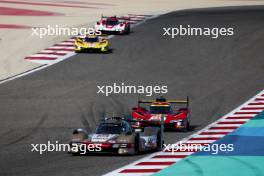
(186, 101)
(112, 118)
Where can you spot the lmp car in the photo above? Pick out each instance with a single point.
(113, 25)
(173, 118)
(91, 43)
(116, 135)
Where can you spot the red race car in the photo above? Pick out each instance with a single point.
(174, 118)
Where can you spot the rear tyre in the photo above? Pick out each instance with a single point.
(77, 153)
(160, 142)
(136, 145)
(150, 131)
(128, 30)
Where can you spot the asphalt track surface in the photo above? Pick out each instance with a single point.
(217, 74)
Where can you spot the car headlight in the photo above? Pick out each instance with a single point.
(179, 123)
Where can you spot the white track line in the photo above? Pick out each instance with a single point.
(52, 51)
(164, 159)
(44, 55)
(234, 120)
(211, 135)
(243, 115)
(224, 130)
(60, 47)
(200, 141)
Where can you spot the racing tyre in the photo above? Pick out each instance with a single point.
(106, 50)
(149, 131)
(136, 145)
(160, 142)
(128, 30)
(77, 153)
(187, 127)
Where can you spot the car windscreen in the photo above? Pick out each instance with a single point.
(91, 39)
(111, 22)
(110, 129)
(160, 109)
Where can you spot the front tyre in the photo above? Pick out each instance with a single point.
(186, 126)
(160, 142)
(78, 51)
(105, 50)
(128, 30)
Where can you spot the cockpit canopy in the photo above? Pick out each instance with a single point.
(92, 39)
(112, 21)
(113, 127)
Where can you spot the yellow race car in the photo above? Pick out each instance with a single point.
(91, 43)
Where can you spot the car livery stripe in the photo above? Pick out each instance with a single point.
(155, 162)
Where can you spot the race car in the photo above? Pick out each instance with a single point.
(113, 25)
(116, 135)
(161, 110)
(91, 43)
